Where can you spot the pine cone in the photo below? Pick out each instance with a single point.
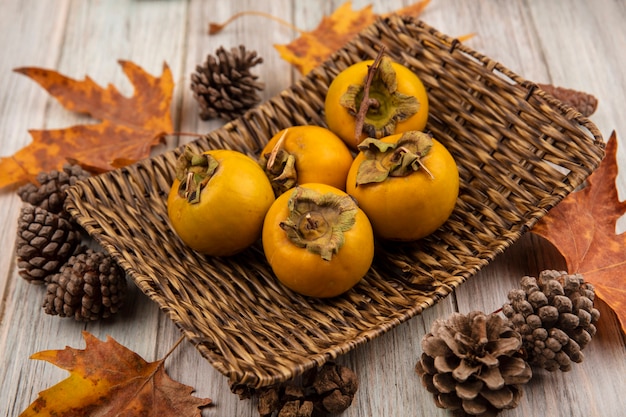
(224, 86)
(328, 390)
(44, 242)
(471, 363)
(555, 316)
(50, 193)
(336, 386)
(90, 286)
(284, 401)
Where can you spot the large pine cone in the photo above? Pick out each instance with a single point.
(472, 364)
(555, 316)
(90, 286)
(49, 194)
(224, 87)
(44, 242)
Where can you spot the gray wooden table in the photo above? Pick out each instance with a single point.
(578, 44)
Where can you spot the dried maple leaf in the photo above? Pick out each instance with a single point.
(583, 228)
(107, 379)
(314, 47)
(129, 127)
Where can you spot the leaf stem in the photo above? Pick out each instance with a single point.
(196, 135)
(218, 27)
(173, 348)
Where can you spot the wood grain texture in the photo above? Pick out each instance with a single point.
(571, 43)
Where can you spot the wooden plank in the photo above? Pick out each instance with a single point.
(23, 106)
(86, 38)
(256, 33)
(583, 52)
(542, 51)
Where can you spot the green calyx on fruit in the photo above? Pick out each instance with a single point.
(194, 171)
(318, 221)
(385, 106)
(383, 159)
(280, 167)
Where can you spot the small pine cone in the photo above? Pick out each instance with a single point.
(327, 390)
(336, 385)
(472, 364)
(555, 316)
(44, 242)
(50, 193)
(90, 286)
(224, 87)
(286, 400)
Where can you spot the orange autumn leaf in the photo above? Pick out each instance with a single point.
(129, 126)
(583, 228)
(313, 48)
(107, 379)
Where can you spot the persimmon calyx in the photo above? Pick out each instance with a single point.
(383, 159)
(194, 171)
(317, 221)
(280, 167)
(386, 105)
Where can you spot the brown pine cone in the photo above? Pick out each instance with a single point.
(224, 87)
(555, 316)
(49, 193)
(90, 286)
(336, 386)
(324, 391)
(285, 401)
(472, 364)
(44, 242)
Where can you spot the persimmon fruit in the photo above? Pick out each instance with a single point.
(399, 101)
(317, 241)
(407, 184)
(305, 154)
(218, 201)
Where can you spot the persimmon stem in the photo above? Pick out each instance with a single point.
(272, 159)
(218, 27)
(367, 101)
(430, 174)
(311, 224)
(402, 150)
(188, 181)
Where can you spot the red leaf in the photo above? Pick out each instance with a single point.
(107, 379)
(129, 127)
(583, 228)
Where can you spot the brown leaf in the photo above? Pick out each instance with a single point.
(585, 103)
(583, 229)
(313, 48)
(107, 379)
(129, 127)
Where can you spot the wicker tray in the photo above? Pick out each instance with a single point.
(519, 153)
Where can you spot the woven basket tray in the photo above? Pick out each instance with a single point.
(519, 153)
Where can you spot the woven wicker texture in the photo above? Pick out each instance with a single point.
(519, 153)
